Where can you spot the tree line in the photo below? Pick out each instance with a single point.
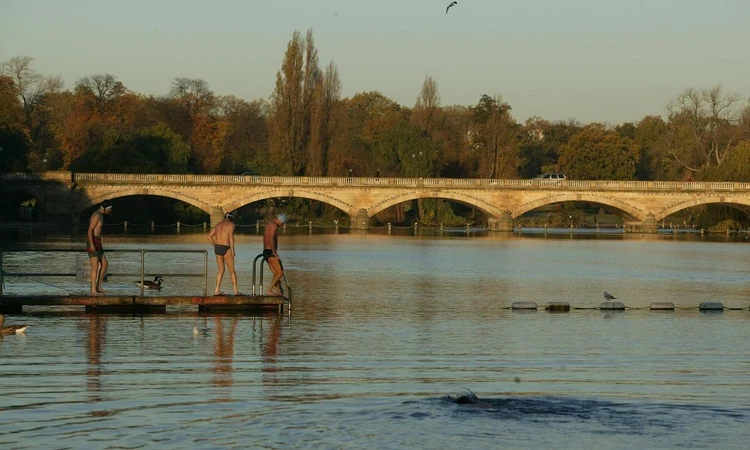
(306, 128)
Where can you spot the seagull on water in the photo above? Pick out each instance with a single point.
(449, 6)
(608, 296)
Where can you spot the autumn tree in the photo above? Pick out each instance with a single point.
(104, 88)
(494, 138)
(15, 142)
(193, 103)
(366, 119)
(426, 110)
(34, 91)
(595, 153)
(246, 141)
(455, 158)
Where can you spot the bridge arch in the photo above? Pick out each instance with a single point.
(88, 201)
(14, 197)
(737, 202)
(488, 209)
(628, 212)
(348, 208)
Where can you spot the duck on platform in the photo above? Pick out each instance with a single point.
(11, 329)
(156, 284)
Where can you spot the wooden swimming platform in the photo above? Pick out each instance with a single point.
(13, 304)
(138, 303)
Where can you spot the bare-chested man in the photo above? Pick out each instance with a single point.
(222, 238)
(94, 247)
(270, 247)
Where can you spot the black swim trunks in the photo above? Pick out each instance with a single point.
(221, 250)
(267, 253)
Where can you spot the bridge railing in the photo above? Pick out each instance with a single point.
(378, 181)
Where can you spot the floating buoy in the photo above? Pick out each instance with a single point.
(557, 306)
(662, 306)
(612, 305)
(711, 306)
(524, 305)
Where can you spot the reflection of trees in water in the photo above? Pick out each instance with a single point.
(224, 354)
(95, 342)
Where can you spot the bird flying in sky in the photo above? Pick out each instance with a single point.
(449, 6)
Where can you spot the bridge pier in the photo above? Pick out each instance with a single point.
(361, 221)
(649, 225)
(504, 223)
(216, 216)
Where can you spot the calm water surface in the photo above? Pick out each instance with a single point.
(382, 329)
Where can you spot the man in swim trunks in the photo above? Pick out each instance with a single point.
(222, 239)
(270, 245)
(94, 247)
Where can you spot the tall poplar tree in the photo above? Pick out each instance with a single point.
(289, 121)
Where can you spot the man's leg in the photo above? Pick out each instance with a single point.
(229, 259)
(102, 272)
(219, 274)
(94, 273)
(273, 263)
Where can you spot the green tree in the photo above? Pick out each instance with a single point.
(704, 128)
(595, 153)
(653, 162)
(154, 149)
(406, 147)
(366, 119)
(735, 168)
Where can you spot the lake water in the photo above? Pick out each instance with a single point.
(383, 328)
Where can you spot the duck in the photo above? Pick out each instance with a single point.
(197, 331)
(11, 329)
(156, 284)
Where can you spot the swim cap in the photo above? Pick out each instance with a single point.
(229, 216)
(282, 218)
(106, 204)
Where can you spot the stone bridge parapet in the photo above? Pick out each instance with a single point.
(641, 203)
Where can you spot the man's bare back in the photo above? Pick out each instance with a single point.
(222, 239)
(222, 233)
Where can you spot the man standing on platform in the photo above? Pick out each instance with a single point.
(94, 247)
(222, 239)
(270, 247)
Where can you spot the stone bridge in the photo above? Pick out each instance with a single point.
(62, 196)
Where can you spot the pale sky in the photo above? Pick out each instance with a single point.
(591, 60)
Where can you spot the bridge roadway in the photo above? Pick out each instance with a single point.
(63, 196)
